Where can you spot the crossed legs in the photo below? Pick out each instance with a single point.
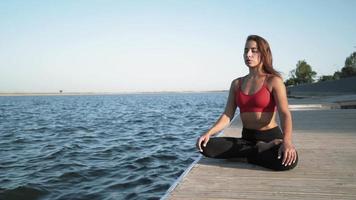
(260, 153)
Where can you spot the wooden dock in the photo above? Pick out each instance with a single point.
(326, 144)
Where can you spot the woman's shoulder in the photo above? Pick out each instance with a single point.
(236, 81)
(274, 81)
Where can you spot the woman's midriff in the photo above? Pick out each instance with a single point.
(258, 120)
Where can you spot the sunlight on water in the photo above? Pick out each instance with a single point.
(100, 147)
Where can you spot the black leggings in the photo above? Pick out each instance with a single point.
(245, 147)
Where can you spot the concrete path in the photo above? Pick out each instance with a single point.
(326, 143)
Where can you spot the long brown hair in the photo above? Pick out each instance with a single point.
(266, 54)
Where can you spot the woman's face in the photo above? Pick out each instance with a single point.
(252, 55)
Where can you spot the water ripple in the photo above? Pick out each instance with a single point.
(100, 147)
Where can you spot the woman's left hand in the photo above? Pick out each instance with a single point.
(289, 153)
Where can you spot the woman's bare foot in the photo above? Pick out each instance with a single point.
(263, 146)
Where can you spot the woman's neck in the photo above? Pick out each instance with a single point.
(256, 72)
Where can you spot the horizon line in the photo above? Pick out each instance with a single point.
(102, 93)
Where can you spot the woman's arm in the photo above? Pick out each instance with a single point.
(224, 118)
(280, 96)
(228, 114)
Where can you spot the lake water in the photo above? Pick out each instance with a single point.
(131, 146)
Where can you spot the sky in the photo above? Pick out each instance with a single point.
(163, 45)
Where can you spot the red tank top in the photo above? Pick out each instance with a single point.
(261, 101)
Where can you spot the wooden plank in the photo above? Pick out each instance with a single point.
(326, 143)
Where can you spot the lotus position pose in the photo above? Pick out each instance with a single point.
(259, 95)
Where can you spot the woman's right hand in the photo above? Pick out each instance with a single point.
(204, 139)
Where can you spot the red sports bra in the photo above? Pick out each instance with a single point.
(261, 101)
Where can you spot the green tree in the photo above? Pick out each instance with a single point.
(303, 73)
(350, 66)
(347, 72)
(326, 78)
(290, 81)
(337, 75)
(351, 60)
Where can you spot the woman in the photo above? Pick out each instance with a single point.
(258, 95)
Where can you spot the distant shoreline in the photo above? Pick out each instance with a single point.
(98, 93)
